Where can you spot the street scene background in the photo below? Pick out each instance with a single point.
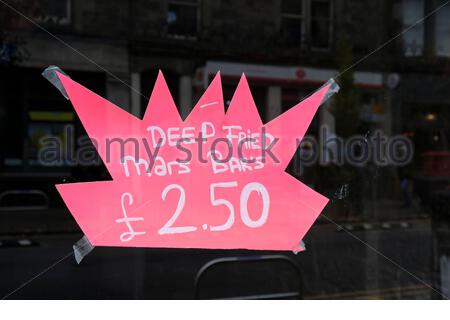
(385, 232)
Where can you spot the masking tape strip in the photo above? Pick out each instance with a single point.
(334, 88)
(82, 248)
(299, 247)
(50, 74)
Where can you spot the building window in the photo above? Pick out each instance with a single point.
(413, 40)
(320, 23)
(183, 18)
(442, 31)
(292, 22)
(54, 12)
(307, 22)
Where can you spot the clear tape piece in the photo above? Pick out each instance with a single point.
(82, 248)
(50, 74)
(302, 244)
(300, 247)
(334, 88)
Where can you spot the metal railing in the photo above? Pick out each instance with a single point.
(246, 259)
(42, 205)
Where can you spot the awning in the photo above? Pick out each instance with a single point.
(280, 74)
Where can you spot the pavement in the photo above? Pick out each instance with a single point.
(389, 260)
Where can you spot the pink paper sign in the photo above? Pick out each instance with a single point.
(214, 180)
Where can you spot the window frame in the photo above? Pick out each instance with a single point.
(306, 24)
(329, 19)
(187, 3)
(64, 22)
(302, 17)
(436, 50)
(404, 26)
